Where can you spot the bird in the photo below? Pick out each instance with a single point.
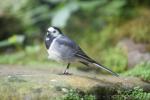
(61, 48)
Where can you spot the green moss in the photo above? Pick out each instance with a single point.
(77, 95)
(134, 94)
(20, 88)
(142, 70)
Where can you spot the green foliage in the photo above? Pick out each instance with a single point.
(141, 70)
(36, 15)
(97, 42)
(96, 15)
(31, 55)
(98, 20)
(134, 94)
(113, 9)
(137, 29)
(61, 16)
(14, 40)
(29, 13)
(105, 9)
(76, 95)
(115, 58)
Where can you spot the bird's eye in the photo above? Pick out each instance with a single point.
(54, 31)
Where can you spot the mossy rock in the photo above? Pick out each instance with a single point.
(18, 83)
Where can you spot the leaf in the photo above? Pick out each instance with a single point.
(90, 5)
(61, 16)
(114, 7)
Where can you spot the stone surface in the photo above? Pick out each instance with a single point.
(136, 52)
(55, 84)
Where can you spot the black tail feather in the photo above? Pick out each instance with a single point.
(105, 68)
(88, 60)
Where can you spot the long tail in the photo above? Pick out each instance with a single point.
(88, 61)
(105, 68)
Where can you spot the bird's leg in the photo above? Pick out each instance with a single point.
(66, 70)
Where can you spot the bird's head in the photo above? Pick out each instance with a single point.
(54, 31)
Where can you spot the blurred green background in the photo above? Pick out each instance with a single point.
(116, 33)
(113, 32)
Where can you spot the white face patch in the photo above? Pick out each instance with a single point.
(53, 31)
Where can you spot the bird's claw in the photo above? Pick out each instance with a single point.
(66, 73)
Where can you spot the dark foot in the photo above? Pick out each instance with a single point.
(65, 73)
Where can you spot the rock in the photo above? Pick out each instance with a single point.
(30, 83)
(136, 52)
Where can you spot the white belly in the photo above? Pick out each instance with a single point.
(61, 52)
(53, 55)
(59, 58)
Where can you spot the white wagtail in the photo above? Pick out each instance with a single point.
(62, 48)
